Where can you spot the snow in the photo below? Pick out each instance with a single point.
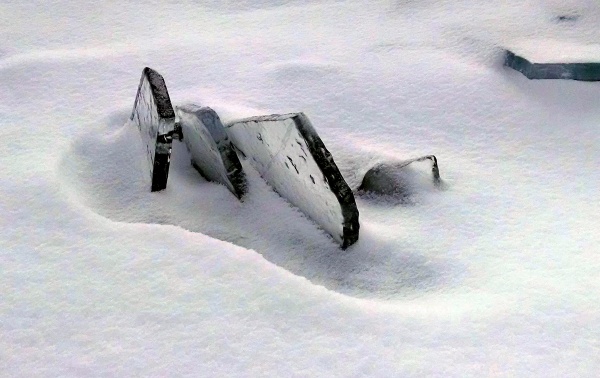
(495, 276)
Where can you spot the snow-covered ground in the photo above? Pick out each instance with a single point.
(498, 275)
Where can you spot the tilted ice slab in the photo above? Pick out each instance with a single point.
(288, 153)
(154, 116)
(212, 152)
(549, 59)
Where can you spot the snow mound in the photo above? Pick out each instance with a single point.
(106, 173)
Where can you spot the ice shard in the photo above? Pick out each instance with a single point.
(155, 119)
(212, 153)
(291, 157)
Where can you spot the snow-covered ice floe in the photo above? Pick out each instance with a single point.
(543, 59)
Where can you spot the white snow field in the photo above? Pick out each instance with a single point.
(498, 275)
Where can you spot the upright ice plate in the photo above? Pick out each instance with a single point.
(211, 150)
(288, 153)
(154, 116)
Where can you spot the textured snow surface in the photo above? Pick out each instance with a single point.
(495, 276)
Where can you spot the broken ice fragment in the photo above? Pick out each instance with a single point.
(212, 153)
(396, 179)
(288, 153)
(155, 119)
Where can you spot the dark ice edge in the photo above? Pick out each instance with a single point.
(330, 171)
(162, 154)
(231, 162)
(566, 71)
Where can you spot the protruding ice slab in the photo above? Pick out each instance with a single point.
(390, 178)
(555, 60)
(290, 156)
(154, 116)
(212, 152)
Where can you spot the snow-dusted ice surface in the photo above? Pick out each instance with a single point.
(495, 276)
